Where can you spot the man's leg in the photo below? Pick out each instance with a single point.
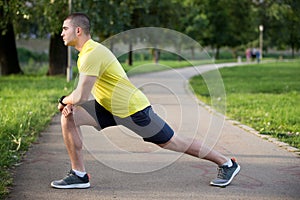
(194, 148)
(77, 178)
(72, 135)
(154, 129)
(227, 168)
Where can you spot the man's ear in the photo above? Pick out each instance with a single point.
(78, 31)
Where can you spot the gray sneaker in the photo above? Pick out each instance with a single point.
(226, 174)
(72, 181)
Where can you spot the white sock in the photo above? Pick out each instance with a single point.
(79, 173)
(228, 163)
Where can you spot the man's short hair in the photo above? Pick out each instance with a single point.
(80, 20)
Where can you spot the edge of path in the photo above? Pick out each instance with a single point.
(247, 128)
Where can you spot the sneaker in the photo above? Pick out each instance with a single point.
(72, 181)
(226, 174)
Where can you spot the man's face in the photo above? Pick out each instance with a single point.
(69, 33)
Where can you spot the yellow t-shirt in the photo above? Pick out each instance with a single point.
(112, 89)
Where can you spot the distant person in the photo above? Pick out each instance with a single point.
(257, 55)
(248, 55)
(253, 54)
(117, 102)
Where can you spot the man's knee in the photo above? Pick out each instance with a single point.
(165, 144)
(67, 121)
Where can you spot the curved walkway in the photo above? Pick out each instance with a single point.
(268, 171)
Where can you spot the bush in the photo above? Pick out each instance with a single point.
(26, 55)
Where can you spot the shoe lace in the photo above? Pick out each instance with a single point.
(70, 173)
(222, 172)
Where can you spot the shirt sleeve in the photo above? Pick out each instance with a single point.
(90, 64)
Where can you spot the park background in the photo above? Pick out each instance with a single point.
(34, 61)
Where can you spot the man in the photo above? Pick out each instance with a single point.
(117, 102)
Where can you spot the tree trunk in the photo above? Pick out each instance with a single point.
(193, 53)
(179, 58)
(58, 56)
(293, 50)
(9, 62)
(155, 55)
(111, 46)
(130, 59)
(217, 56)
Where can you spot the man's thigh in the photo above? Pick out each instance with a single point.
(149, 125)
(102, 118)
(83, 117)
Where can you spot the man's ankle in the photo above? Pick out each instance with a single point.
(79, 173)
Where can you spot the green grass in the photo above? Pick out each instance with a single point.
(265, 97)
(27, 105)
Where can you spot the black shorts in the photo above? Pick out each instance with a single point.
(145, 123)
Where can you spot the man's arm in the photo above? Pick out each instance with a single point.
(82, 91)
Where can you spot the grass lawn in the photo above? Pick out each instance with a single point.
(265, 97)
(27, 105)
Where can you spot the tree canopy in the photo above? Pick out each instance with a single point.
(214, 23)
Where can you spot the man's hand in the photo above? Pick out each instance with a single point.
(67, 110)
(60, 107)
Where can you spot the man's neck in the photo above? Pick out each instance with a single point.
(81, 42)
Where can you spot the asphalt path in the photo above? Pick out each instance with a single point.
(122, 166)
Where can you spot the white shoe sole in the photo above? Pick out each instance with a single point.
(72, 186)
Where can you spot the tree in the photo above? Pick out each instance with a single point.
(44, 15)
(241, 28)
(218, 27)
(230, 23)
(9, 62)
(165, 14)
(51, 14)
(215, 23)
(107, 17)
(293, 22)
(155, 13)
(194, 21)
(285, 25)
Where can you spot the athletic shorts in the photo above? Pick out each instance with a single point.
(145, 123)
